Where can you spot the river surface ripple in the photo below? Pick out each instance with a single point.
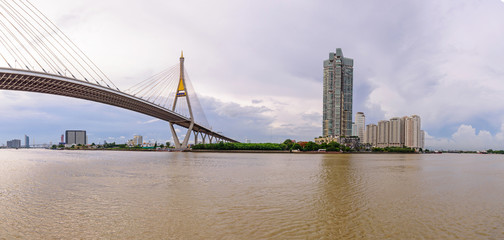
(48, 194)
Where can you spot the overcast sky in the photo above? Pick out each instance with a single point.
(257, 66)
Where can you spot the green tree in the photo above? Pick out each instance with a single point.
(311, 146)
(296, 146)
(333, 147)
(289, 143)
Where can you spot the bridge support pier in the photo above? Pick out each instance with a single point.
(184, 144)
(203, 136)
(196, 137)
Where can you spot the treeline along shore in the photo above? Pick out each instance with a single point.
(291, 146)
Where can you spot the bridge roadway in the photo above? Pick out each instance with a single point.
(29, 81)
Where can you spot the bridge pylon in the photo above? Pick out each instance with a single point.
(182, 92)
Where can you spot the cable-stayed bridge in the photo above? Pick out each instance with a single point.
(36, 56)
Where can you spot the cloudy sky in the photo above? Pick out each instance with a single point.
(257, 66)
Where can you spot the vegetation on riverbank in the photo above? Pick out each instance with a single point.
(286, 145)
(394, 150)
(490, 151)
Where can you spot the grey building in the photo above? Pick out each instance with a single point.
(75, 137)
(337, 95)
(15, 143)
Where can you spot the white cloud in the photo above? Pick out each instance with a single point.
(149, 121)
(467, 138)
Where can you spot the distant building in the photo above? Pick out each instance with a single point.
(75, 137)
(360, 122)
(137, 140)
(62, 142)
(396, 132)
(350, 141)
(383, 133)
(15, 143)
(413, 135)
(337, 95)
(27, 141)
(371, 136)
(321, 140)
(422, 139)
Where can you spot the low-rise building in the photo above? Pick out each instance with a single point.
(15, 143)
(329, 139)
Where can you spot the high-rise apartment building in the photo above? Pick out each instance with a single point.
(396, 132)
(413, 135)
(371, 136)
(137, 140)
(76, 137)
(337, 95)
(383, 133)
(360, 122)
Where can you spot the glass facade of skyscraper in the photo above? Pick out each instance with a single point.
(338, 95)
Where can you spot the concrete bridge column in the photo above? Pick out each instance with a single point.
(196, 133)
(203, 135)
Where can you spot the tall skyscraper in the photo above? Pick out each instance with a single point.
(360, 122)
(27, 141)
(338, 95)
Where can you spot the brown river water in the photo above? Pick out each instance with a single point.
(46, 194)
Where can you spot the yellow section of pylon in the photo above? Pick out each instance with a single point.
(181, 85)
(182, 54)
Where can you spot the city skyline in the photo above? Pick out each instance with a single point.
(418, 58)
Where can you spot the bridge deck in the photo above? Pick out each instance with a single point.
(29, 81)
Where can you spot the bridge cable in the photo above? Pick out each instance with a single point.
(9, 43)
(196, 104)
(132, 89)
(165, 93)
(41, 42)
(9, 48)
(156, 91)
(14, 36)
(140, 90)
(5, 60)
(23, 23)
(35, 49)
(71, 44)
(62, 46)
